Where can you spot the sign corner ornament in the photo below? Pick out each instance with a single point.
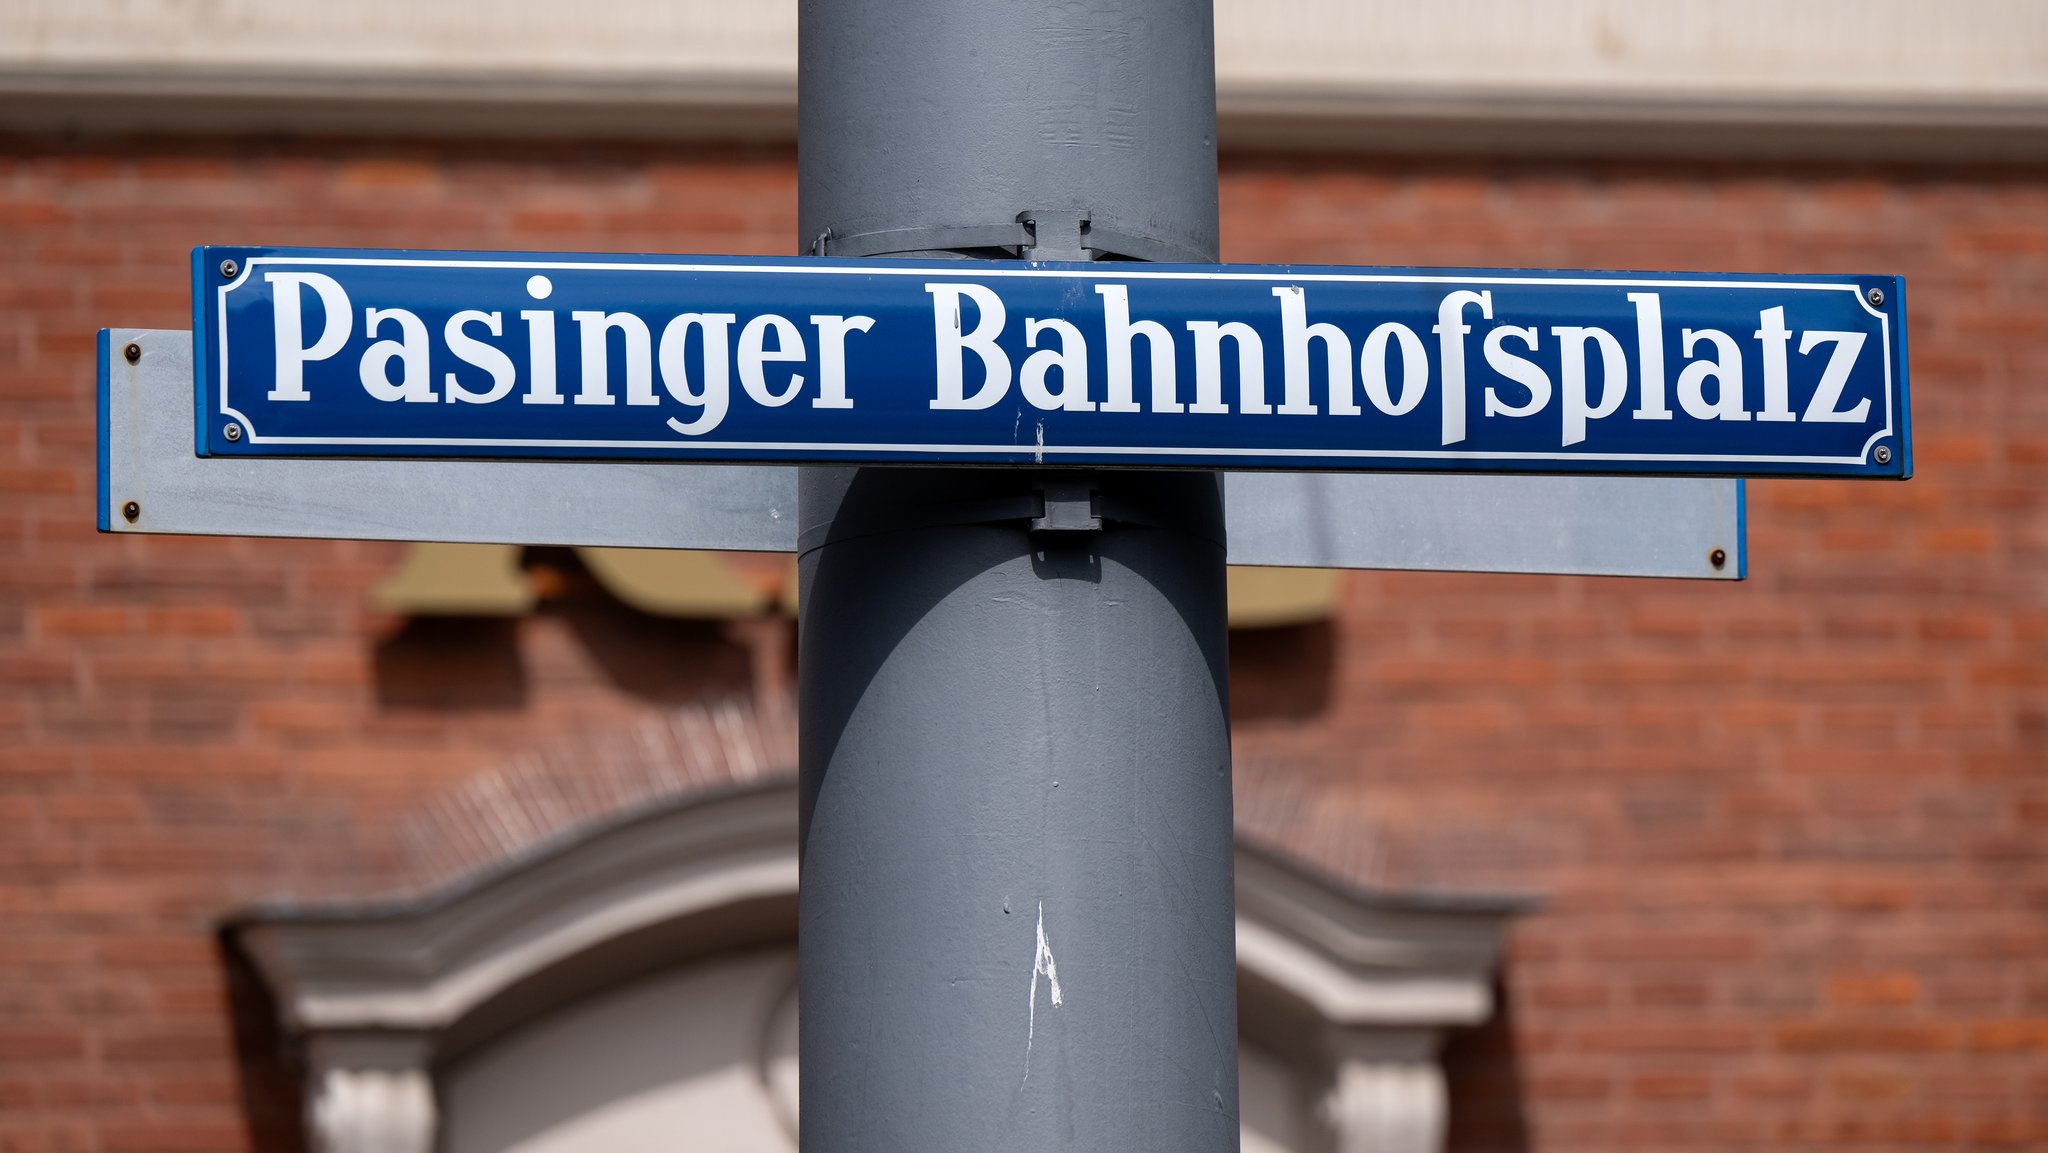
(367, 353)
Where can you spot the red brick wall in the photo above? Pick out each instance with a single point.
(1792, 830)
(1795, 830)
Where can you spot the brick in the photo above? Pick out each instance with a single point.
(30, 1044)
(1773, 1086)
(186, 1136)
(1701, 1038)
(2014, 673)
(385, 175)
(1676, 994)
(1867, 1086)
(221, 1092)
(301, 717)
(1668, 1087)
(2008, 1133)
(1566, 994)
(101, 1094)
(157, 951)
(1463, 675)
(81, 620)
(1862, 987)
(1864, 1037)
(1966, 539)
(1872, 1129)
(204, 1045)
(1572, 1087)
(192, 620)
(95, 809)
(115, 762)
(1687, 946)
(192, 666)
(2028, 1036)
(23, 480)
(30, 669)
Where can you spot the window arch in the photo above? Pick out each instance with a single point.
(412, 1011)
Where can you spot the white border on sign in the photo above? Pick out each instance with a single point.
(1107, 271)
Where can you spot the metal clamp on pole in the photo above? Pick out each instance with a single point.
(857, 240)
(1067, 506)
(849, 504)
(1034, 234)
(1056, 235)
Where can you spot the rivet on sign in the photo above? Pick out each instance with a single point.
(233, 432)
(131, 511)
(1876, 296)
(1718, 558)
(228, 268)
(133, 352)
(1883, 454)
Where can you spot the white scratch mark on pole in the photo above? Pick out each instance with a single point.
(1041, 963)
(1045, 963)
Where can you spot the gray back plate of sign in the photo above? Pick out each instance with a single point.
(1595, 526)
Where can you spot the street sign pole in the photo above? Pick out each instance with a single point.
(1016, 916)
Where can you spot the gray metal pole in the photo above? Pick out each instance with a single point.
(1016, 917)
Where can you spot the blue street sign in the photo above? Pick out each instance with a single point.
(313, 352)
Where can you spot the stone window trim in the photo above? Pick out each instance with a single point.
(1355, 988)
